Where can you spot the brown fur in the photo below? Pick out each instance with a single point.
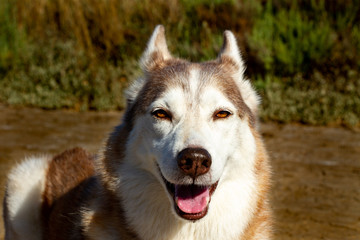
(261, 223)
(158, 75)
(113, 156)
(68, 183)
(71, 190)
(223, 71)
(107, 219)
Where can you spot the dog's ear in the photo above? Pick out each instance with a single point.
(155, 54)
(230, 53)
(230, 50)
(157, 51)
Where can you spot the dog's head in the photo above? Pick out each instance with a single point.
(191, 122)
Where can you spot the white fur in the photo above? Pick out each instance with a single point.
(134, 89)
(230, 207)
(155, 143)
(251, 99)
(26, 183)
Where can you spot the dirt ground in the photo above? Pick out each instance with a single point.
(316, 170)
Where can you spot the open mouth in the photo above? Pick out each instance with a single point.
(191, 202)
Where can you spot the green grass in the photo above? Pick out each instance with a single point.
(288, 42)
(55, 77)
(301, 55)
(11, 37)
(317, 106)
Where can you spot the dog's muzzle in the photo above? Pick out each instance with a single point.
(192, 201)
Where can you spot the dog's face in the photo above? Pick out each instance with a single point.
(191, 120)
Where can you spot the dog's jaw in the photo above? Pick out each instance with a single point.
(191, 202)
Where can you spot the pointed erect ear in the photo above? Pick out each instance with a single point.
(230, 50)
(157, 51)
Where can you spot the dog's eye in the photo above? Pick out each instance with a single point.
(222, 114)
(160, 113)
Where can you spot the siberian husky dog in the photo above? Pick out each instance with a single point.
(186, 163)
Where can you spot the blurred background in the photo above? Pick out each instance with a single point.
(76, 57)
(302, 55)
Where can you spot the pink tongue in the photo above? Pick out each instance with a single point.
(191, 198)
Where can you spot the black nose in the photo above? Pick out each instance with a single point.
(194, 162)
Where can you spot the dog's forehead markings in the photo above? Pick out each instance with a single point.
(193, 92)
(222, 76)
(193, 80)
(184, 85)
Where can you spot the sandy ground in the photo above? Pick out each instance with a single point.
(316, 180)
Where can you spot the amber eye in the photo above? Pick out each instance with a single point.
(222, 114)
(160, 113)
